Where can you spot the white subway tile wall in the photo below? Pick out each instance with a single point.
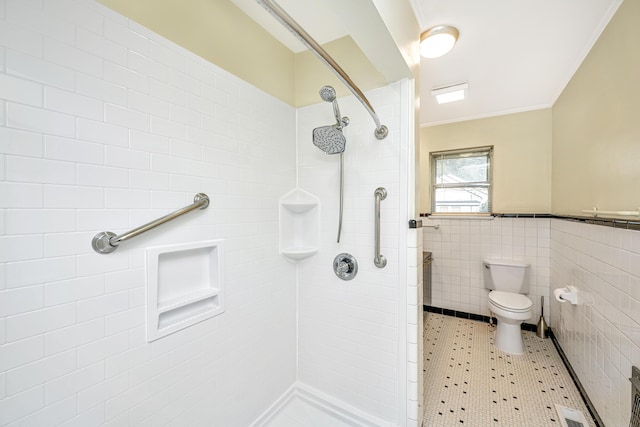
(601, 335)
(103, 126)
(460, 245)
(348, 330)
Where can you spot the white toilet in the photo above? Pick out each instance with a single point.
(508, 281)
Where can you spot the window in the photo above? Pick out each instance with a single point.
(461, 181)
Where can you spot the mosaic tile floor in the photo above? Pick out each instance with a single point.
(470, 382)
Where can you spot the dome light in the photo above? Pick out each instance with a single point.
(438, 40)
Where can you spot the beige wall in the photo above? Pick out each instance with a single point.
(222, 34)
(583, 152)
(311, 74)
(596, 124)
(522, 157)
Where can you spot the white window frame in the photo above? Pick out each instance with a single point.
(460, 153)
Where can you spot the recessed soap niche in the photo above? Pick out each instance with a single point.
(184, 285)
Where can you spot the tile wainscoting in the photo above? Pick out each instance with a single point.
(601, 338)
(460, 245)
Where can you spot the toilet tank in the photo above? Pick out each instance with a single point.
(506, 276)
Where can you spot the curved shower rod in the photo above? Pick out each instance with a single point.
(277, 12)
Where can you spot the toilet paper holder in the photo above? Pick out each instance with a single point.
(566, 294)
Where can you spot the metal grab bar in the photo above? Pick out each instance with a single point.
(106, 242)
(379, 260)
(290, 24)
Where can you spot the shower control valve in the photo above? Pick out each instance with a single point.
(345, 266)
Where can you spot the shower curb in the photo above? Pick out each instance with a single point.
(324, 402)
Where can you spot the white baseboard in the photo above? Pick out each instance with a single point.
(330, 405)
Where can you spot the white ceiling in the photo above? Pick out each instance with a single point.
(515, 55)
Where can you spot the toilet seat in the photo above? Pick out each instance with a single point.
(508, 301)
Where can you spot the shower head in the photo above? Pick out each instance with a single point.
(328, 94)
(329, 139)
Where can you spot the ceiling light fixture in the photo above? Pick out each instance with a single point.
(450, 93)
(438, 40)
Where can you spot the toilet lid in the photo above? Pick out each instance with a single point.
(510, 301)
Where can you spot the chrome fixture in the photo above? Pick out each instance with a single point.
(596, 212)
(106, 242)
(345, 266)
(331, 140)
(340, 209)
(438, 41)
(541, 326)
(379, 260)
(427, 261)
(290, 24)
(328, 94)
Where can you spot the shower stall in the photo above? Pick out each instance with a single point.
(118, 127)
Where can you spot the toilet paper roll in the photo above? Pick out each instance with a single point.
(557, 293)
(568, 293)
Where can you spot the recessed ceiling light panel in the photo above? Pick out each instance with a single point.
(450, 93)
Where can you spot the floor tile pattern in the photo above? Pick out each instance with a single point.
(470, 382)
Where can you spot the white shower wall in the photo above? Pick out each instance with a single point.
(105, 126)
(349, 332)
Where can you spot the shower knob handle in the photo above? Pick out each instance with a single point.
(345, 266)
(342, 267)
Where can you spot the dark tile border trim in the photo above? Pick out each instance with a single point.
(532, 328)
(522, 215)
(471, 316)
(503, 215)
(454, 313)
(576, 381)
(607, 222)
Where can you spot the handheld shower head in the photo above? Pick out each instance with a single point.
(331, 140)
(328, 94)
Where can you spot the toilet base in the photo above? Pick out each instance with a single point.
(508, 337)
